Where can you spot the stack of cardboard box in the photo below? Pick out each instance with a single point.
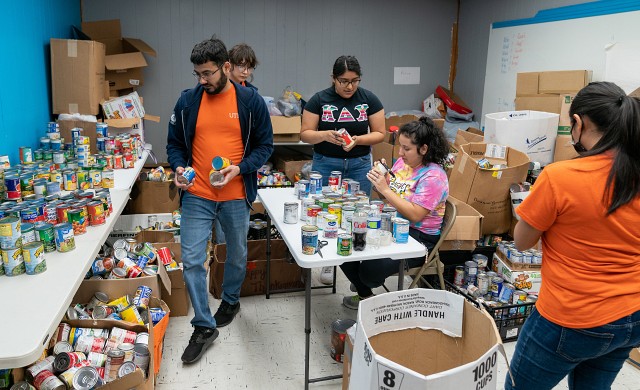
(552, 91)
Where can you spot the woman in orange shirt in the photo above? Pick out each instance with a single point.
(587, 212)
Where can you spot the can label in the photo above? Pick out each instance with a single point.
(401, 231)
(346, 138)
(345, 246)
(309, 239)
(187, 176)
(33, 254)
(334, 181)
(143, 294)
(65, 240)
(219, 163)
(96, 213)
(10, 232)
(12, 261)
(291, 212)
(77, 221)
(330, 226)
(315, 183)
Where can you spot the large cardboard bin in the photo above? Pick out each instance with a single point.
(533, 132)
(466, 229)
(286, 129)
(487, 190)
(77, 76)
(153, 197)
(178, 299)
(284, 275)
(424, 339)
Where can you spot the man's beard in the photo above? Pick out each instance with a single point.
(219, 86)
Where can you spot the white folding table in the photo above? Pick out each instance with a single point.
(273, 200)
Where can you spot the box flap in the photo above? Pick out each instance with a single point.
(102, 29)
(123, 123)
(125, 61)
(468, 223)
(140, 46)
(465, 137)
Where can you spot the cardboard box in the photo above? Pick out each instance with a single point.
(465, 137)
(564, 81)
(527, 83)
(284, 274)
(346, 360)
(77, 76)
(131, 126)
(397, 120)
(290, 164)
(127, 225)
(526, 277)
(286, 129)
(487, 190)
(155, 236)
(466, 229)
(533, 132)
(153, 197)
(88, 129)
(178, 300)
(123, 107)
(545, 103)
(124, 59)
(424, 339)
(564, 149)
(634, 358)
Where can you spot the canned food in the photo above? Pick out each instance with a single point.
(458, 279)
(338, 335)
(45, 380)
(12, 261)
(33, 254)
(309, 239)
(312, 214)
(335, 209)
(506, 292)
(345, 244)
(64, 237)
(315, 183)
(89, 343)
(330, 226)
(28, 233)
(187, 176)
(335, 181)
(45, 364)
(66, 360)
(108, 178)
(26, 156)
(127, 348)
(218, 163)
(291, 212)
(10, 232)
(115, 359)
(96, 213)
(141, 356)
(304, 186)
(86, 378)
(131, 314)
(77, 221)
(483, 283)
(400, 230)
(143, 294)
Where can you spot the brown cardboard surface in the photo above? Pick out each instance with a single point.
(153, 197)
(178, 301)
(634, 358)
(527, 83)
(77, 76)
(154, 236)
(564, 149)
(120, 80)
(465, 137)
(290, 164)
(545, 103)
(346, 362)
(466, 229)
(88, 129)
(284, 125)
(487, 191)
(283, 273)
(635, 93)
(407, 347)
(564, 81)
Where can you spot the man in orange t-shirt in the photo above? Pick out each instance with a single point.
(216, 119)
(587, 212)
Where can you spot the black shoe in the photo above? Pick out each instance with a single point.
(200, 339)
(225, 313)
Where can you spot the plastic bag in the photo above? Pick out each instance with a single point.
(289, 103)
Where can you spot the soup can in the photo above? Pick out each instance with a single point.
(335, 181)
(304, 186)
(291, 212)
(33, 255)
(70, 180)
(330, 226)
(506, 292)
(315, 183)
(13, 261)
(96, 213)
(309, 239)
(336, 209)
(338, 335)
(400, 230)
(470, 271)
(10, 232)
(345, 244)
(77, 221)
(107, 178)
(64, 237)
(312, 214)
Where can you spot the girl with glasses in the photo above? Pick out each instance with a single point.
(243, 63)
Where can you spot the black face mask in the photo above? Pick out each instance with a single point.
(579, 148)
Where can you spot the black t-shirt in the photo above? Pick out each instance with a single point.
(337, 112)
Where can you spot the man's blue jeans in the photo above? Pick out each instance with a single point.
(197, 219)
(592, 357)
(352, 168)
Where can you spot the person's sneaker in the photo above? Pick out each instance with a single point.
(326, 275)
(353, 288)
(225, 313)
(200, 340)
(352, 301)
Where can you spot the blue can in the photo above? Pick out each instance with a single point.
(304, 186)
(100, 143)
(187, 176)
(56, 144)
(102, 129)
(156, 314)
(315, 183)
(53, 187)
(506, 292)
(495, 287)
(75, 133)
(142, 261)
(400, 230)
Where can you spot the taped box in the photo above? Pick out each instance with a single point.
(424, 339)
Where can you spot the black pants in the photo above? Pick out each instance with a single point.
(370, 274)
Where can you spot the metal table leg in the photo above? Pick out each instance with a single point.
(307, 324)
(400, 275)
(268, 281)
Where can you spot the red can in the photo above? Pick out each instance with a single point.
(128, 160)
(134, 271)
(61, 212)
(118, 161)
(109, 159)
(96, 213)
(100, 372)
(46, 378)
(164, 254)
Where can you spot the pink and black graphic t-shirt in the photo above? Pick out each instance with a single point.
(426, 186)
(337, 112)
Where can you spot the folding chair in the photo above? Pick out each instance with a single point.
(433, 265)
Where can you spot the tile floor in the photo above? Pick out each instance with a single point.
(263, 348)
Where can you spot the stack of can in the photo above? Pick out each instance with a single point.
(88, 358)
(21, 252)
(507, 250)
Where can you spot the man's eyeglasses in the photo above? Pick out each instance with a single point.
(247, 68)
(204, 75)
(345, 83)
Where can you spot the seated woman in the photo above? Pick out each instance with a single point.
(418, 190)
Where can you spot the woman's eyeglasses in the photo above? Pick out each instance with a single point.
(344, 83)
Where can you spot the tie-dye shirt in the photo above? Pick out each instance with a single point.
(426, 186)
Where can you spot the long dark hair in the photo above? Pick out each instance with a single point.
(617, 118)
(425, 132)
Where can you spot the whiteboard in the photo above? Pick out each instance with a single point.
(581, 43)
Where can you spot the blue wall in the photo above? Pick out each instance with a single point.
(25, 74)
